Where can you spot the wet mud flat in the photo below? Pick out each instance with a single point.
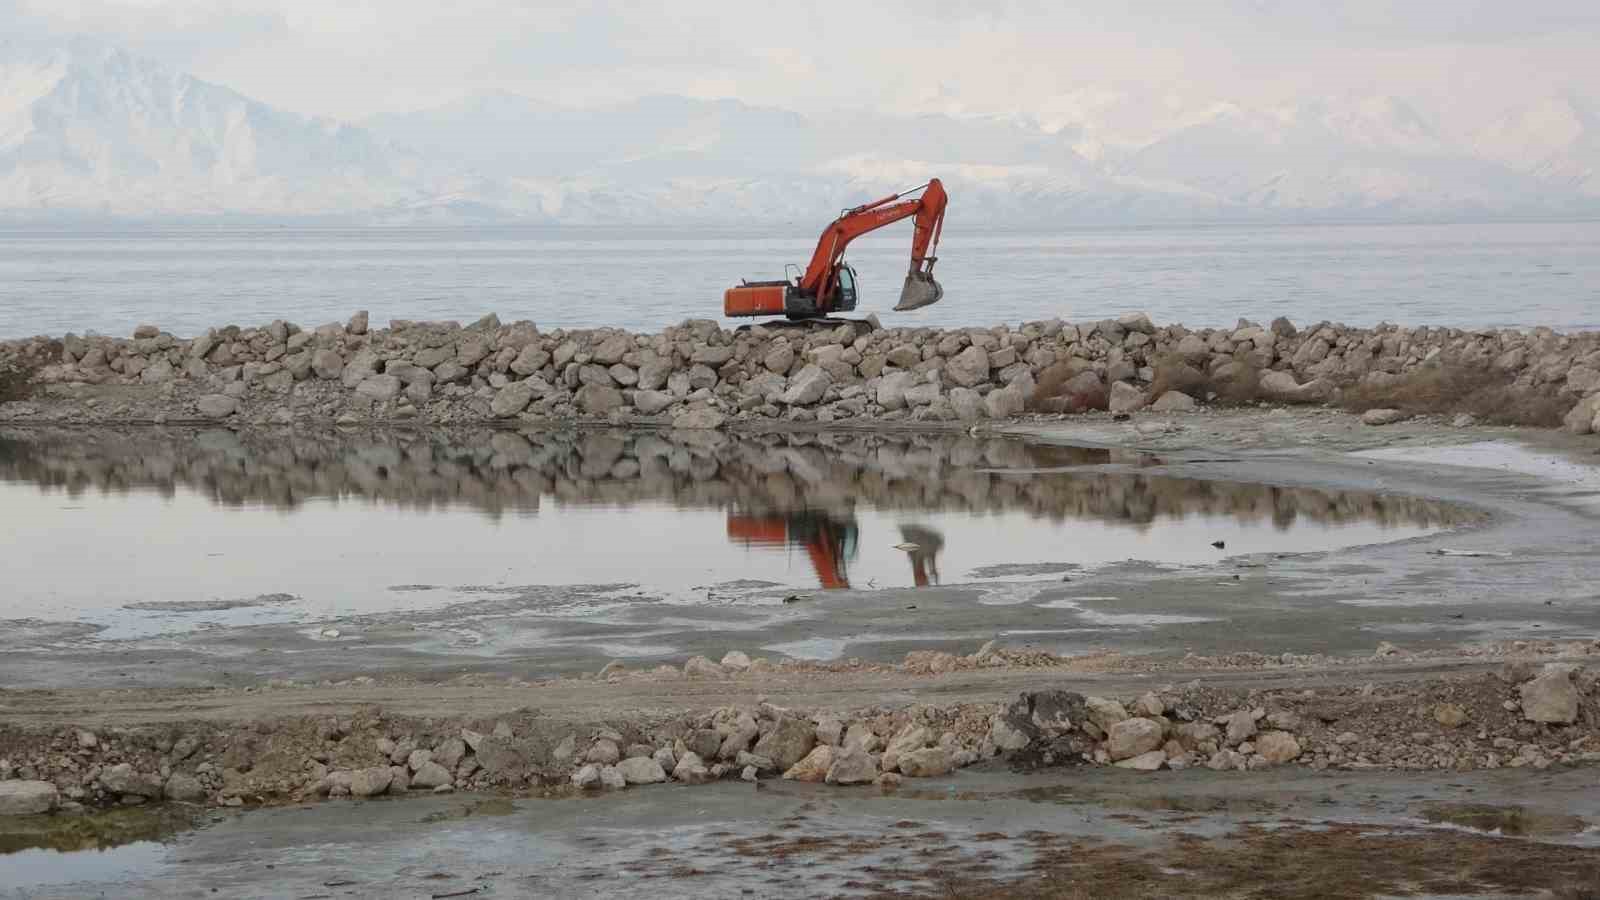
(324, 556)
(1448, 572)
(990, 833)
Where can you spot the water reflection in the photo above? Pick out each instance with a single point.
(349, 515)
(497, 472)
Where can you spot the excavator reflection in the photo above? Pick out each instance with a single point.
(832, 542)
(922, 544)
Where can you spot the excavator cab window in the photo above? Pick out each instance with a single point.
(847, 287)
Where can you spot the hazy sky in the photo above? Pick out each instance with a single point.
(350, 58)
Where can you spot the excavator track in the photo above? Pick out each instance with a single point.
(808, 326)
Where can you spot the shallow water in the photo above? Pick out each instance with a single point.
(161, 530)
(785, 839)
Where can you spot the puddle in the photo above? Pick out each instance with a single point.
(186, 529)
(1510, 821)
(98, 846)
(1291, 828)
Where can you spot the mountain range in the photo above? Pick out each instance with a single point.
(92, 133)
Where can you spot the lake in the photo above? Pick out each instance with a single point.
(187, 279)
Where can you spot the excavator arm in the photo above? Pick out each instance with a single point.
(817, 291)
(820, 275)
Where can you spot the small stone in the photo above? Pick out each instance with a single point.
(652, 402)
(928, 762)
(1241, 727)
(691, 769)
(27, 798)
(807, 386)
(612, 779)
(642, 770)
(1384, 416)
(327, 364)
(699, 420)
(88, 740)
(969, 368)
(1005, 736)
(1125, 398)
(735, 661)
(789, 741)
(598, 399)
(1104, 713)
(449, 753)
(123, 779)
(1174, 401)
(184, 788)
(665, 759)
(1149, 705)
(431, 775)
(1551, 698)
(700, 667)
(813, 768)
(217, 406)
(604, 752)
(1145, 762)
(515, 397)
(358, 323)
(859, 735)
(1277, 747)
(852, 765)
(1132, 737)
(380, 387)
(1449, 715)
(371, 782)
(587, 777)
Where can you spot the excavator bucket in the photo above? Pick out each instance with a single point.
(920, 290)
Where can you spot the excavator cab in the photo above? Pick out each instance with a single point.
(845, 278)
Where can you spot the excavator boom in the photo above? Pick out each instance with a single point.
(822, 289)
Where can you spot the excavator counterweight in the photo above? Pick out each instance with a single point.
(828, 284)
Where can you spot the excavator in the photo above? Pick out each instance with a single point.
(828, 284)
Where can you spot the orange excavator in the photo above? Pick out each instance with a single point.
(828, 284)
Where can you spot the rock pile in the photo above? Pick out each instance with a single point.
(699, 375)
(1517, 716)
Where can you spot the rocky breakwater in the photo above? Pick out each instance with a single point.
(699, 375)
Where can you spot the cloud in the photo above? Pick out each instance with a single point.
(356, 57)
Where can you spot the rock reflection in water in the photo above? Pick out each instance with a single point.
(831, 510)
(499, 471)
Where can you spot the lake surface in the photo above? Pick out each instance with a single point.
(144, 532)
(188, 279)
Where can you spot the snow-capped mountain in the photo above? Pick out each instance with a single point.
(94, 132)
(1371, 156)
(1556, 139)
(90, 130)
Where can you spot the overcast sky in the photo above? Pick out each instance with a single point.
(351, 58)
